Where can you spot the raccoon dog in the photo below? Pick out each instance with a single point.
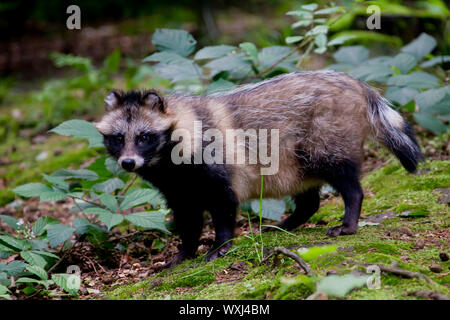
(323, 118)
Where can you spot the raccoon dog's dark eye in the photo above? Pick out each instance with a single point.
(119, 138)
(143, 138)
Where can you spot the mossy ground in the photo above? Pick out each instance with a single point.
(390, 189)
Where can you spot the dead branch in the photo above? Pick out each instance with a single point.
(302, 263)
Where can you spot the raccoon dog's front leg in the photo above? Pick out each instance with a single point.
(224, 222)
(188, 224)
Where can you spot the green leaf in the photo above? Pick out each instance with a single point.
(80, 129)
(35, 258)
(340, 40)
(339, 286)
(317, 30)
(401, 95)
(149, 219)
(328, 10)
(52, 196)
(58, 233)
(271, 55)
(13, 243)
(82, 174)
(427, 100)
(351, 55)
(372, 73)
(436, 60)
(109, 186)
(310, 7)
(110, 219)
(31, 189)
(41, 223)
(109, 201)
(83, 226)
(178, 72)
(294, 39)
(4, 280)
(166, 57)
(141, 196)
(310, 254)
(430, 122)
(321, 43)
(10, 221)
(13, 268)
(97, 210)
(212, 52)
(112, 62)
(421, 46)
(271, 208)
(251, 50)
(220, 85)
(404, 62)
(235, 64)
(38, 271)
(415, 80)
(56, 181)
(68, 282)
(178, 41)
(113, 167)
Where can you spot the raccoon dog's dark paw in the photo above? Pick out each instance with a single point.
(179, 258)
(341, 230)
(215, 252)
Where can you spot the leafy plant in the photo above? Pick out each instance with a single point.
(408, 85)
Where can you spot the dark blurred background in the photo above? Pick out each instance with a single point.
(30, 30)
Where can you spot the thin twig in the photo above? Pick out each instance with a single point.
(428, 295)
(404, 273)
(302, 263)
(129, 184)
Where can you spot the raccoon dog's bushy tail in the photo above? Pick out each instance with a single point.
(393, 131)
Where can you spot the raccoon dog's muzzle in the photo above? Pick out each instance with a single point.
(130, 162)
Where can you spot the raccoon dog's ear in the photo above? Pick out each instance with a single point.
(155, 101)
(112, 100)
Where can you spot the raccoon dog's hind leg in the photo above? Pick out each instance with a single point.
(344, 177)
(306, 204)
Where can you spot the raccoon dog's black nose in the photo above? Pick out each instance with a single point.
(128, 164)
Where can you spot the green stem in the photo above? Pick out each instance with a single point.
(260, 217)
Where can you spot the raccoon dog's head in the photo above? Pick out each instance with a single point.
(135, 127)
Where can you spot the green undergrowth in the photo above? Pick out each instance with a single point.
(388, 190)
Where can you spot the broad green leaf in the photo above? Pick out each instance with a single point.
(97, 210)
(317, 30)
(271, 55)
(310, 7)
(213, 52)
(421, 46)
(13, 268)
(339, 286)
(141, 196)
(293, 39)
(83, 226)
(436, 60)
(109, 186)
(149, 219)
(80, 129)
(110, 219)
(31, 189)
(167, 57)
(113, 167)
(178, 72)
(321, 40)
(340, 40)
(401, 95)
(56, 181)
(58, 233)
(415, 80)
(68, 282)
(4, 280)
(428, 99)
(10, 221)
(372, 73)
(251, 50)
(112, 62)
(235, 64)
(328, 10)
(220, 85)
(109, 201)
(38, 271)
(41, 223)
(178, 41)
(302, 23)
(271, 208)
(430, 122)
(404, 62)
(35, 258)
(52, 196)
(83, 174)
(351, 55)
(310, 254)
(15, 244)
